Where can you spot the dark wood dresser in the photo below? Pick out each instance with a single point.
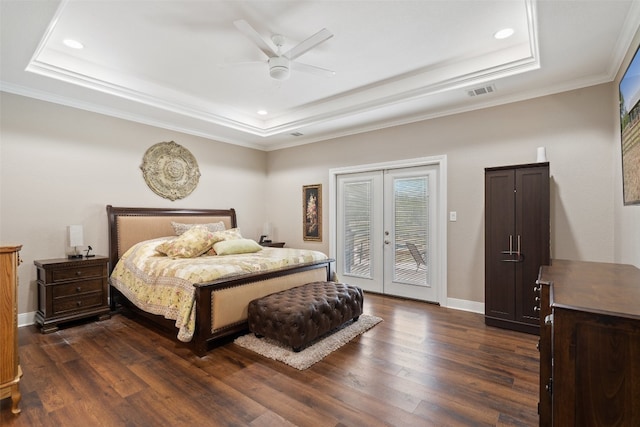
(71, 289)
(589, 344)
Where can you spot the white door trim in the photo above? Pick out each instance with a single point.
(441, 161)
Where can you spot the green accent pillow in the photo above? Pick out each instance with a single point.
(236, 246)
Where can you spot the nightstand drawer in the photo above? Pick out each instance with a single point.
(81, 272)
(77, 303)
(75, 288)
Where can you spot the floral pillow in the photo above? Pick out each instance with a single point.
(180, 228)
(192, 243)
(220, 236)
(231, 234)
(236, 246)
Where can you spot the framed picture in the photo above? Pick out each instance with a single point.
(630, 131)
(312, 212)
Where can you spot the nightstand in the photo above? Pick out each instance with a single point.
(273, 244)
(71, 289)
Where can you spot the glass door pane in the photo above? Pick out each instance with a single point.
(357, 229)
(411, 216)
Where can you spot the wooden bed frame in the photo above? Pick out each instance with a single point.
(221, 304)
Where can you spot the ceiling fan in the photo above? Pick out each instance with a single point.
(280, 63)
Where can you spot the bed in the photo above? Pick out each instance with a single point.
(219, 305)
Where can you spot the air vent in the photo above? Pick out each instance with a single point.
(481, 90)
(296, 134)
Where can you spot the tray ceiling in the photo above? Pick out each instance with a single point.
(184, 65)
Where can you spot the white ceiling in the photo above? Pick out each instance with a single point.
(183, 65)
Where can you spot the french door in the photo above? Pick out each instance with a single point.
(387, 231)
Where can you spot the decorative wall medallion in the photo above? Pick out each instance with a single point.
(170, 170)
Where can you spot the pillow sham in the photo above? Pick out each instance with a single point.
(236, 246)
(231, 234)
(192, 243)
(180, 228)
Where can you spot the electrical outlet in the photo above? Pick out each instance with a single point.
(453, 216)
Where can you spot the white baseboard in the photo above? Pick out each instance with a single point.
(26, 319)
(465, 305)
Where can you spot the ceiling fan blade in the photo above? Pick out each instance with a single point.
(255, 37)
(308, 44)
(312, 69)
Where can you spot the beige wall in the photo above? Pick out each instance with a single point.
(62, 166)
(577, 129)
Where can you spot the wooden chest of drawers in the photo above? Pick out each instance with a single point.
(10, 372)
(70, 289)
(589, 344)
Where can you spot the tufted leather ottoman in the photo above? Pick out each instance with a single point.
(299, 315)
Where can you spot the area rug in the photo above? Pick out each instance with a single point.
(314, 352)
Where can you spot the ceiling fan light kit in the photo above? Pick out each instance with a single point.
(279, 68)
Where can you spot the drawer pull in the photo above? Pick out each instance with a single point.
(78, 273)
(78, 289)
(548, 320)
(536, 308)
(79, 303)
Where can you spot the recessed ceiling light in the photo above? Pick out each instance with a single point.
(263, 112)
(73, 44)
(504, 33)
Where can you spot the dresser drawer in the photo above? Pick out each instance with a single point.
(81, 272)
(77, 303)
(75, 288)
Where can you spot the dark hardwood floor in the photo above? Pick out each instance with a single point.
(424, 365)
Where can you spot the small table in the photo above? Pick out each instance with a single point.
(70, 289)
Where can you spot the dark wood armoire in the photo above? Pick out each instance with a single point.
(516, 243)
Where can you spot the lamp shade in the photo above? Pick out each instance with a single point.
(542, 155)
(75, 235)
(266, 229)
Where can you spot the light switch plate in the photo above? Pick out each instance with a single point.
(453, 216)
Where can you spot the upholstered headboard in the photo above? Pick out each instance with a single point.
(128, 226)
